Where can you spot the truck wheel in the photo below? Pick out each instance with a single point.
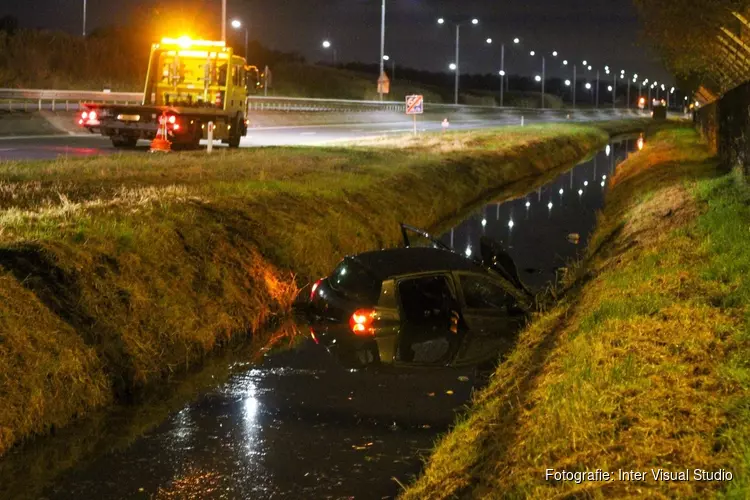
(236, 134)
(234, 141)
(124, 142)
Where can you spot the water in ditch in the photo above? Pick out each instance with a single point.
(281, 417)
(548, 227)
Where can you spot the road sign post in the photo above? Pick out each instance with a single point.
(414, 107)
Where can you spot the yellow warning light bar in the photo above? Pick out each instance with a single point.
(198, 54)
(186, 42)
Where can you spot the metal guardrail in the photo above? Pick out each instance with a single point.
(71, 100)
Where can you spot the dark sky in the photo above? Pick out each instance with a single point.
(601, 31)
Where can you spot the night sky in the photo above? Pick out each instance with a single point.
(601, 31)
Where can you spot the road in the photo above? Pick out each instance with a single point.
(51, 147)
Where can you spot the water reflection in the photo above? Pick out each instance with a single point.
(539, 241)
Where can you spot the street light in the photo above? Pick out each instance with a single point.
(328, 45)
(457, 68)
(382, 47)
(516, 41)
(237, 24)
(542, 78)
(386, 58)
(567, 83)
(452, 66)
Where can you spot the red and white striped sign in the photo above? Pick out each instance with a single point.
(414, 105)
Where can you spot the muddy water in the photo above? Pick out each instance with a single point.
(281, 417)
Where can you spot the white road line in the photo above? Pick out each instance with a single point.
(59, 136)
(308, 133)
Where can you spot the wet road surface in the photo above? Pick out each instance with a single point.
(51, 147)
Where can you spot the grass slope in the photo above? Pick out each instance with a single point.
(143, 264)
(644, 364)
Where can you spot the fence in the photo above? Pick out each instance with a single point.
(726, 126)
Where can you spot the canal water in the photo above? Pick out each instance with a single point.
(281, 417)
(549, 227)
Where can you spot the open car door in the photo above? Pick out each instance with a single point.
(415, 237)
(498, 259)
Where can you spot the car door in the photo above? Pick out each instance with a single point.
(429, 312)
(485, 305)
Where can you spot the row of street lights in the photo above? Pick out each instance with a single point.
(455, 66)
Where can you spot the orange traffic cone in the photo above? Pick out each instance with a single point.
(160, 142)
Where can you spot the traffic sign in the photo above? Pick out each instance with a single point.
(414, 105)
(384, 84)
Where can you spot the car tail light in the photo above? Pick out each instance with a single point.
(176, 126)
(315, 289)
(172, 119)
(92, 115)
(85, 115)
(314, 337)
(361, 322)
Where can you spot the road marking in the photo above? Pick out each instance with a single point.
(58, 136)
(308, 133)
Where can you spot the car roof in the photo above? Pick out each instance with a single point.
(384, 264)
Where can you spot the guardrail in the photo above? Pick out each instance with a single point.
(71, 100)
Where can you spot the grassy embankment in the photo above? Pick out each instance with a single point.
(117, 271)
(644, 363)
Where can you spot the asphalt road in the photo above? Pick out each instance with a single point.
(51, 147)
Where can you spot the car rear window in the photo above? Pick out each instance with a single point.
(354, 281)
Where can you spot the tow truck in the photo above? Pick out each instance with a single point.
(192, 84)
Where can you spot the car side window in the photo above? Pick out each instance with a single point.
(426, 299)
(481, 292)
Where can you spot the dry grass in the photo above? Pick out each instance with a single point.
(645, 366)
(151, 262)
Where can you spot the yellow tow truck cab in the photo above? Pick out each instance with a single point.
(193, 83)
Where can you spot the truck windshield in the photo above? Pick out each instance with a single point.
(354, 281)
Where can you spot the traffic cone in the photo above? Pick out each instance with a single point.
(160, 142)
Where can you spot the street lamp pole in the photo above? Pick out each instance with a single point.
(597, 88)
(382, 46)
(575, 85)
(544, 77)
(458, 67)
(84, 18)
(614, 92)
(223, 20)
(502, 73)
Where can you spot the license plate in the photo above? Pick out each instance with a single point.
(129, 118)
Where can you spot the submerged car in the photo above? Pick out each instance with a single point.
(423, 304)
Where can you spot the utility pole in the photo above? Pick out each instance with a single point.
(382, 46)
(575, 86)
(84, 18)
